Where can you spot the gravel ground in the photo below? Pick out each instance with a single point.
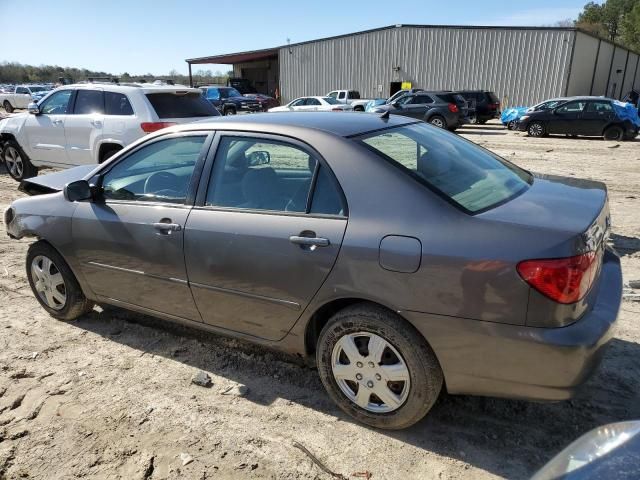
(110, 395)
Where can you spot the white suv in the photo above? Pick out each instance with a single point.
(87, 123)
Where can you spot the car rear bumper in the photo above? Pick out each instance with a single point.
(493, 359)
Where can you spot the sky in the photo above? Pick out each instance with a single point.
(145, 36)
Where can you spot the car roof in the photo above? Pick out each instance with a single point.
(344, 124)
(130, 87)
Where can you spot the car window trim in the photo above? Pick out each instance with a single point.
(207, 171)
(195, 176)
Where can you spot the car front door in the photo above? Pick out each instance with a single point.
(418, 106)
(264, 234)
(313, 104)
(596, 116)
(83, 128)
(130, 243)
(567, 119)
(46, 140)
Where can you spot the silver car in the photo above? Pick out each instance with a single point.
(398, 257)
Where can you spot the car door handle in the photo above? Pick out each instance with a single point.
(309, 241)
(96, 123)
(56, 122)
(167, 227)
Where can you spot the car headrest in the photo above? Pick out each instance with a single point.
(434, 164)
(259, 185)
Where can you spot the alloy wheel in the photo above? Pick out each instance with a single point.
(48, 282)
(437, 122)
(370, 372)
(536, 129)
(13, 160)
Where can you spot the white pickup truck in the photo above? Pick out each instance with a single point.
(350, 97)
(22, 96)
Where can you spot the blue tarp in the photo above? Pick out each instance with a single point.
(626, 111)
(513, 113)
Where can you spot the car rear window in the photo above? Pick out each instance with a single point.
(181, 105)
(493, 98)
(465, 174)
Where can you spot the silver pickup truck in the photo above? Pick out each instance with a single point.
(22, 96)
(350, 97)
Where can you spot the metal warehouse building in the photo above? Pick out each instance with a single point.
(523, 65)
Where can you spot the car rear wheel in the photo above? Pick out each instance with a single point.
(511, 125)
(17, 163)
(54, 284)
(438, 121)
(377, 368)
(614, 133)
(536, 129)
(7, 106)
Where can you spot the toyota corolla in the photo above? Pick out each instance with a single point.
(399, 258)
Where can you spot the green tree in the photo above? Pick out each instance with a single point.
(608, 19)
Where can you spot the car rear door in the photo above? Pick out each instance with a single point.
(567, 119)
(264, 234)
(596, 116)
(83, 127)
(130, 243)
(418, 106)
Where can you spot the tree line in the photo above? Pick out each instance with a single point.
(615, 20)
(17, 73)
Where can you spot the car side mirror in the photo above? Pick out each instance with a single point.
(33, 108)
(259, 157)
(78, 190)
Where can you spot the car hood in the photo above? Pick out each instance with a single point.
(54, 182)
(552, 202)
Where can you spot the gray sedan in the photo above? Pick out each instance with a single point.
(398, 257)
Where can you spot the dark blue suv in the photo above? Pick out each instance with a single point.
(228, 100)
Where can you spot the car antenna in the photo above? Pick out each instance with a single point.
(385, 115)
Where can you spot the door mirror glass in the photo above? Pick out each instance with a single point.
(78, 190)
(258, 157)
(33, 108)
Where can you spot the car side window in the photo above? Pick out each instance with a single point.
(422, 99)
(326, 200)
(299, 102)
(21, 90)
(88, 102)
(159, 172)
(341, 95)
(599, 107)
(332, 94)
(571, 107)
(56, 104)
(313, 101)
(213, 94)
(261, 174)
(117, 104)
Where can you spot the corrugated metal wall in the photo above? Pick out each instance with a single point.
(521, 66)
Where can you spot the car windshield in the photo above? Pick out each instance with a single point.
(460, 171)
(331, 100)
(37, 89)
(229, 93)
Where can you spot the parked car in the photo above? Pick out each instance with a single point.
(350, 97)
(266, 102)
(484, 105)
(87, 123)
(396, 256)
(243, 85)
(313, 104)
(230, 101)
(511, 116)
(442, 109)
(587, 116)
(22, 96)
(371, 104)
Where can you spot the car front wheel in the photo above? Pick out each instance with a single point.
(536, 129)
(17, 163)
(377, 368)
(54, 284)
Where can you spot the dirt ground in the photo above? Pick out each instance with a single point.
(110, 395)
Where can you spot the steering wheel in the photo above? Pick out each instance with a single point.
(164, 183)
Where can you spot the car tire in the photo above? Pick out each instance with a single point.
(438, 121)
(230, 111)
(61, 296)
(614, 133)
(108, 154)
(536, 129)
(399, 344)
(16, 161)
(7, 106)
(511, 125)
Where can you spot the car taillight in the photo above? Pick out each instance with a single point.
(564, 280)
(149, 127)
(453, 108)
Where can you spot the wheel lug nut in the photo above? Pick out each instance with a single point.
(378, 377)
(359, 364)
(358, 376)
(371, 364)
(370, 384)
